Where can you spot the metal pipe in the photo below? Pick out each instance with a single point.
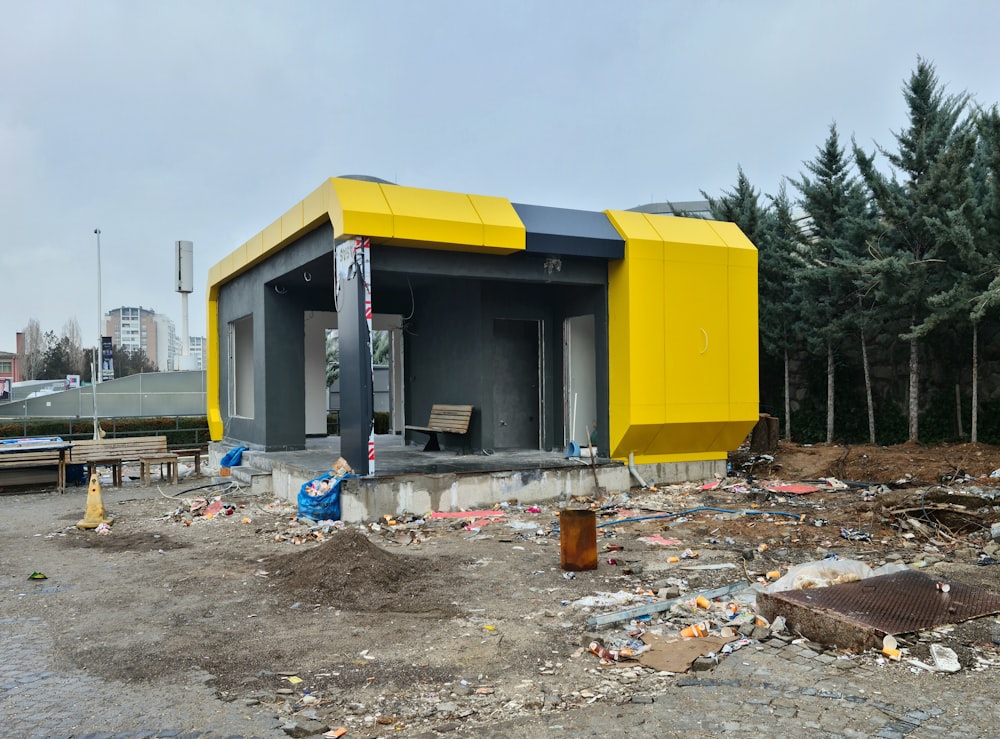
(634, 471)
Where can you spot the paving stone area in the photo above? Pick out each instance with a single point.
(37, 699)
(774, 688)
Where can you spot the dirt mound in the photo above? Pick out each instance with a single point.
(911, 462)
(351, 573)
(141, 541)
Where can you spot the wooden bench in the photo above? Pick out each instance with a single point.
(445, 419)
(36, 453)
(195, 454)
(113, 453)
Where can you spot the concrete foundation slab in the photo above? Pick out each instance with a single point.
(409, 479)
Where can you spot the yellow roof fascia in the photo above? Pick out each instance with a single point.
(389, 214)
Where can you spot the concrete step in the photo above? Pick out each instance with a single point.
(257, 481)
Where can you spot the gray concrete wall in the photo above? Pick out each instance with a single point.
(444, 349)
(276, 294)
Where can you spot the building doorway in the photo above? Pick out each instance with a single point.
(517, 382)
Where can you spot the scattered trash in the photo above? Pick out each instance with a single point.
(696, 630)
(855, 534)
(825, 572)
(890, 647)
(793, 489)
(945, 659)
(319, 499)
(37, 576)
(677, 655)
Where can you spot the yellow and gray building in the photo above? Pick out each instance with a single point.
(636, 327)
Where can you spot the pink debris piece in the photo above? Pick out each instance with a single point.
(467, 514)
(797, 488)
(658, 540)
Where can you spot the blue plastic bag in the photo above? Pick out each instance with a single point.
(324, 506)
(233, 457)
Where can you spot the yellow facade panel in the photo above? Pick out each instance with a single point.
(272, 236)
(687, 287)
(212, 401)
(291, 221)
(674, 230)
(633, 226)
(254, 248)
(696, 330)
(647, 330)
(316, 205)
(684, 438)
(743, 346)
(503, 231)
(735, 432)
(432, 216)
(734, 237)
(673, 458)
(358, 208)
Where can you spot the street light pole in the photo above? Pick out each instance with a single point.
(96, 378)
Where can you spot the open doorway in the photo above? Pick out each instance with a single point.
(580, 379)
(517, 376)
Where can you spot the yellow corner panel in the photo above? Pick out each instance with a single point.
(212, 401)
(316, 205)
(682, 338)
(359, 208)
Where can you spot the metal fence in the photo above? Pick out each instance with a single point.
(144, 395)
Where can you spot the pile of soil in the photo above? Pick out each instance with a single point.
(351, 573)
(910, 463)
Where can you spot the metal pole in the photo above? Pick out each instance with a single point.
(100, 336)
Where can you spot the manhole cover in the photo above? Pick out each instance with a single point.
(856, 615)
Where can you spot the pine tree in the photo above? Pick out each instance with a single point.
(907, 264)
(780, 259)
(985, 268)
(834, 203)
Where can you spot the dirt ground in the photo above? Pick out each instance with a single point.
(392, 625)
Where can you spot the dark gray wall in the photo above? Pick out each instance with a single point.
(276, 294)
(450, 356)
(444, 353)
(449, 301)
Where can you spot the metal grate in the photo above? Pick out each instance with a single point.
(899, 603)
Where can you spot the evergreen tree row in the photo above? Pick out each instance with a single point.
(879, 285)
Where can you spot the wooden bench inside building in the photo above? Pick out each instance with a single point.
(444, 419)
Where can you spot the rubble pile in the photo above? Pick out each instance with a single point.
(680, 571)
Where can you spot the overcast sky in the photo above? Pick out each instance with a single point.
(205, 120)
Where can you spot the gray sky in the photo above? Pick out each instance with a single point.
(159, 121)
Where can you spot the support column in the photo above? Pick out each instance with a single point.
(354, 320)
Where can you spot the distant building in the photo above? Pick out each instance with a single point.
(167, 348)
(197, 349)
(8, 374)
(133, 328)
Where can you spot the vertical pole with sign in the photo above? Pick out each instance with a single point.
(107, 359)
